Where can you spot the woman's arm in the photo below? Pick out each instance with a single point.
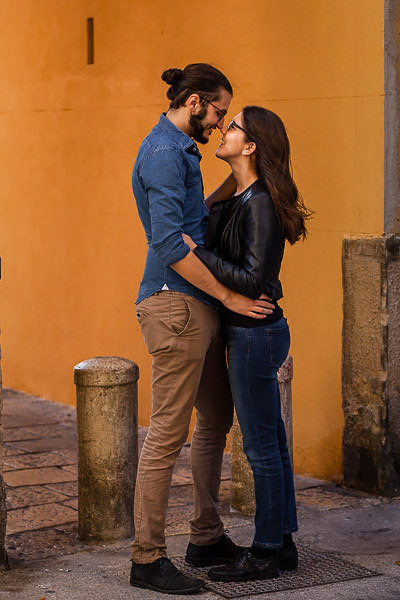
(261, 238)
(223, 192)
(193, 270)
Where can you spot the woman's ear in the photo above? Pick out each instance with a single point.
(249, 148)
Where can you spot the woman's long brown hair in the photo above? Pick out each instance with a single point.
(273, 166)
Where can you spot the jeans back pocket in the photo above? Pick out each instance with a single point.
(279, 344)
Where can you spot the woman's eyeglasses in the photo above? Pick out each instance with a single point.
(233, 124)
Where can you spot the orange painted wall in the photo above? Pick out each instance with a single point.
(70, 240)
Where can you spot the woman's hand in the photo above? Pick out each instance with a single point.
(188, 240)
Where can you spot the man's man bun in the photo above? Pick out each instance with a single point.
(172, 76)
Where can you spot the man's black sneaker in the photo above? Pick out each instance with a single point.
(288, 558)
(222, 552)
(162, 576)
(246, 568)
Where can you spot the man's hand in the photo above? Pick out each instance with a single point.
(257, 309)
(188, 240)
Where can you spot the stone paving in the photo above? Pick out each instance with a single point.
(40, 449)
(40, 472)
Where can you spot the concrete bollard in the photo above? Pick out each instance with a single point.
(106, 393)
(242, 486)
(285, 376)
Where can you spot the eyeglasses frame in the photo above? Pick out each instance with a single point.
(234, 124)
(217, 108)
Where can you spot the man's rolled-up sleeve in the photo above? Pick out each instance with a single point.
(162, 175)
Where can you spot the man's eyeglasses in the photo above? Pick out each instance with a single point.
(233, 124)
(220, 111)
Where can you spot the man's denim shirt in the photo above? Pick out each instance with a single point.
(168, 188)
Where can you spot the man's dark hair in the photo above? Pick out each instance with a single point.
(198, 78)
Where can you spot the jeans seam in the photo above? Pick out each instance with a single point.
(257, 437)
(290, 530)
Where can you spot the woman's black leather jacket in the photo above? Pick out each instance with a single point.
(244, 243)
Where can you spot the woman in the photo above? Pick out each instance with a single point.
(244, 249)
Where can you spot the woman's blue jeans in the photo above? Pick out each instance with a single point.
(254, 357)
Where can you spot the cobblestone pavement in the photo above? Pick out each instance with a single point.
(40, 472)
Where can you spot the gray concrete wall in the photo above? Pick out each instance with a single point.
(393, 366)
(392, 116)
(370, 363)
(392, 225)
(3, 513)
(3, 510)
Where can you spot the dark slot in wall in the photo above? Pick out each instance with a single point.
(90, 40)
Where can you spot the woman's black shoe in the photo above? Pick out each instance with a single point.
(246, 568)
(162, 576)
(288, 558)
(222, 552)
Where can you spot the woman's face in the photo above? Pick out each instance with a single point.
(232, 140)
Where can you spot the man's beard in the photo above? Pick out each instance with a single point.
(196, 129)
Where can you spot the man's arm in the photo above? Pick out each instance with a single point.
(164, 183)
(194, 271)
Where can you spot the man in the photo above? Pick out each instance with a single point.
(177, 312)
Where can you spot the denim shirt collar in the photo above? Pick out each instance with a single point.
(178, 135)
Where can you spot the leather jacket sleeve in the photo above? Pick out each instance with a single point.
(260, 237)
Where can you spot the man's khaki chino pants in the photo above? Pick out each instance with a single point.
(189, 370)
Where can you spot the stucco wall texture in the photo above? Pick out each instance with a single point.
(70, 237)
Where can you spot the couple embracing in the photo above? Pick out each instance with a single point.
(209, 314)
